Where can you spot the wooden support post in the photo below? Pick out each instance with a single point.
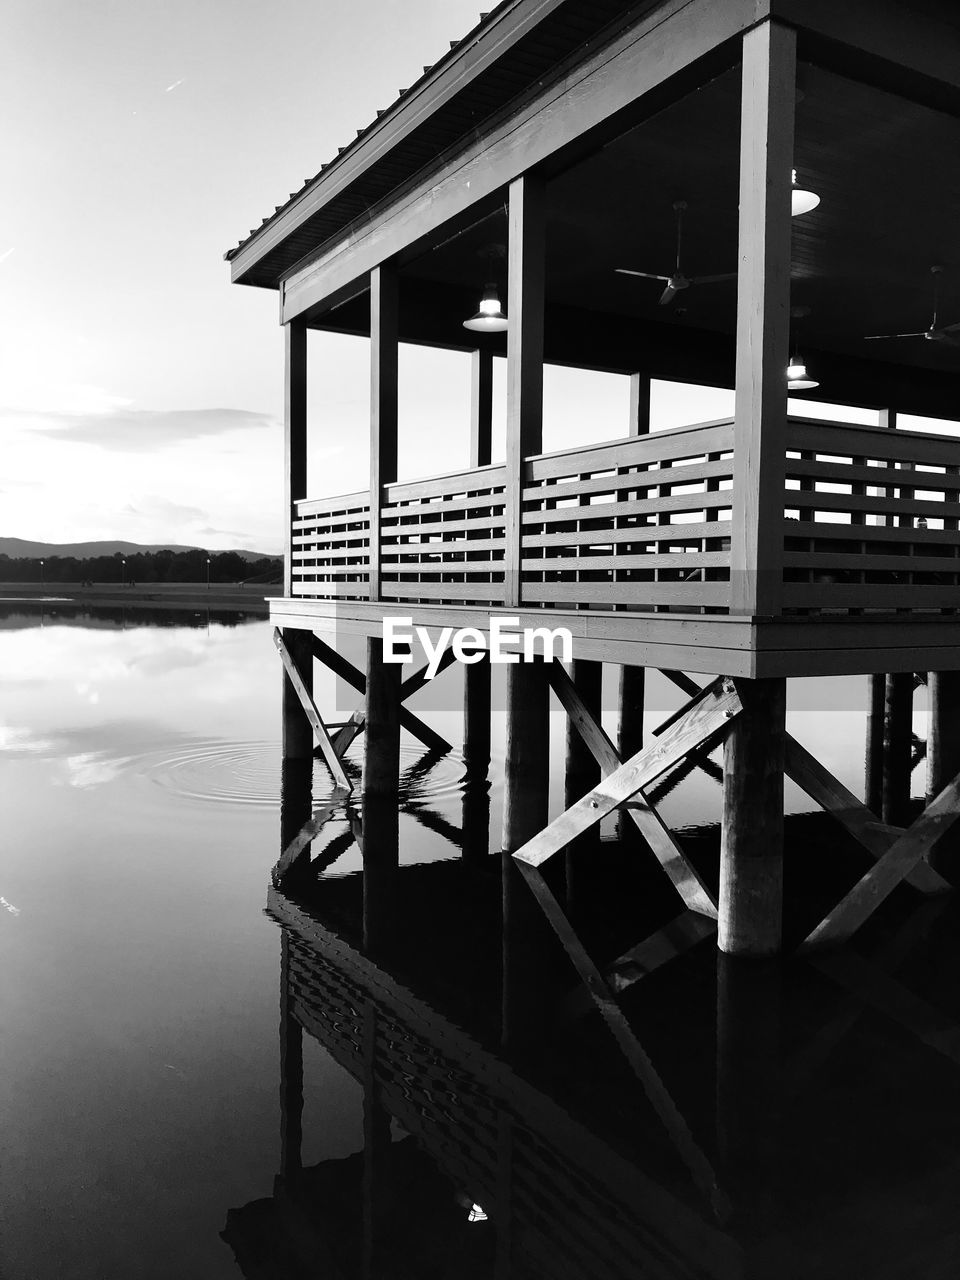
(381, 761)
(751, 850)
(582, 773)
(943, 758)
(763, 319)
(481, 408)
(291, 1073)
(630, 728)
(639, 404)
(873, 789)
(475, 819)
(297, 731)
(384, 368)
(294, 435)
(897, 748)
(525, 267)
(526, 792)
(476, 716)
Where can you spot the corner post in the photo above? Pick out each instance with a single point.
(384, 369)
(639, 404)
(525, 293)
(481, 408)
(294, 435)
(763, 319)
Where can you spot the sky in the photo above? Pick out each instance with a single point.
(141, 392)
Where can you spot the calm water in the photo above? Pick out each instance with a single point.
(461, 1112)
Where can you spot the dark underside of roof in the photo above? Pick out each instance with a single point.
(532, 58)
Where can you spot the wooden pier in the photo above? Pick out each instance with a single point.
(732, 554)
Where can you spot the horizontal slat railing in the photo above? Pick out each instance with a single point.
(637, 524)
(331, 547)
(872, 520)
(443, 539)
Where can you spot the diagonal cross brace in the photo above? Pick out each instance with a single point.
(350, 674)
(313, 715)
(708, 718)
(684, 878)
(878, 883)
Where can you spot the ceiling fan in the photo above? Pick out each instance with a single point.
(674, 283)
(949, 333)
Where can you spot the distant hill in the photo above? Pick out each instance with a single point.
(22, 549)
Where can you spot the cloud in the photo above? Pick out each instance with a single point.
(146, 430)
(151, 507)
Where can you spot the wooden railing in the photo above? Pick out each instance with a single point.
(871, 520)
(443, 539)
(331, 547)
(872, 524)
(636, 524)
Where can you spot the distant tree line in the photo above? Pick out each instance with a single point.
(143, 567)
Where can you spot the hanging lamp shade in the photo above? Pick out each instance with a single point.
(489, 317)
(797, 377)
(801, 201)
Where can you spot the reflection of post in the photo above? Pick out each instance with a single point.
(943, 757)
(296, 808)
(582, 772)
(897, 748)
(751, 852)
(381, 769)
(476, 715)
(291, 1073)
(476, 818)
(526, 791)
(297, 732)
(629, 727)
(748, 1071)
(376, 1148)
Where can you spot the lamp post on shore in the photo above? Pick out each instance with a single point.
(123, 572)
(208, 573)
(41, 575)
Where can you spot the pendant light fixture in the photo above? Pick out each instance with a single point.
(797, 377)
(489, 317)
(801, 201)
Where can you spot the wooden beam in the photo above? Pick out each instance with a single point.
(481, 407)
(664, 44)
(807, 772)
(476, 716)
(305, 835)
(296, 729)
(763, 319)
(630, 710)
(294, 435)
(943, 753)
(384, 370)
(681, 874)
(751, 846)
(525, 268)
(381, 761)
(883, 877)
(310, 710)
(897, 748)
(527, 760)
(873, 762)
(704, 722)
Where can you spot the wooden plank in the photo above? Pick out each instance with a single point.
(359, 501)
(883, 877)
(702, 501)
(763, 316)
(312, 714)
(830, 793)
(525, 283)
(850, 473)
(849, 440)
(672, 1120)
(474, 592)
(673, 445)
(693, 531)
(384, 373)
(611, 562)
(617, 482)
(684, 878)
(479, 479)
(704, 722)
(692, 594)
(294, 433)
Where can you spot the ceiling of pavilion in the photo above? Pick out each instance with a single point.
(887, 171)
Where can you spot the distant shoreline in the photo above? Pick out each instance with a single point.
(149, 595)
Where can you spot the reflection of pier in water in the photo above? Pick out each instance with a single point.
(821, 1096)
